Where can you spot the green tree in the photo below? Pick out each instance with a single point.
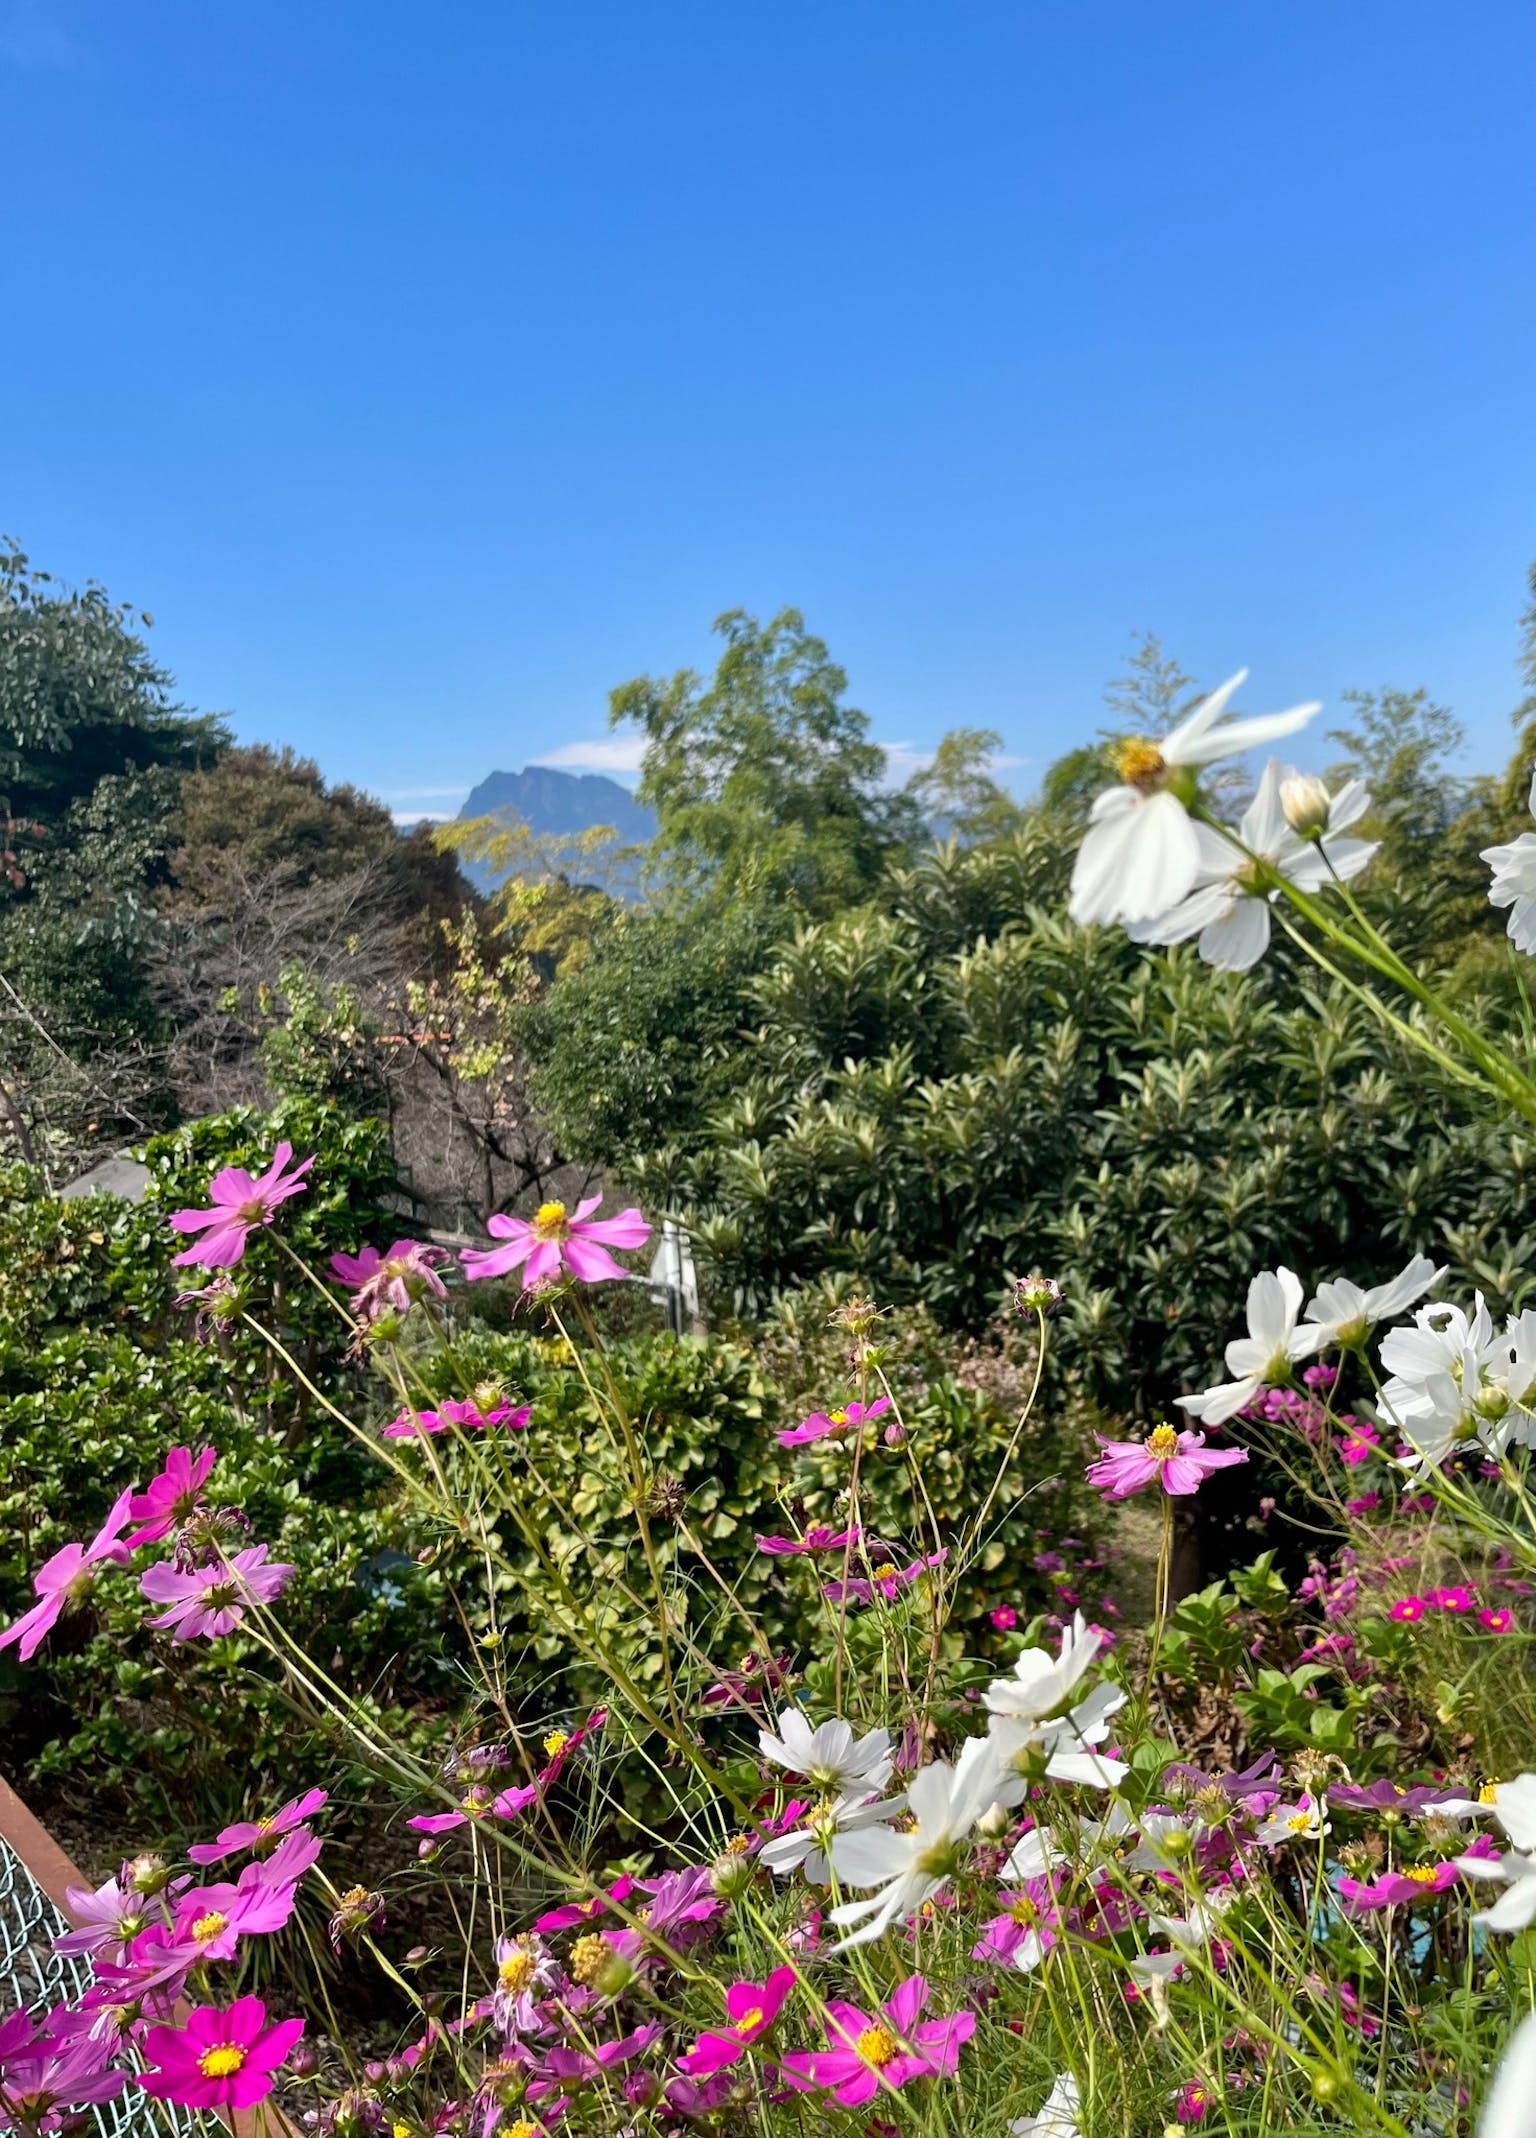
(957, 794)
(764, 775)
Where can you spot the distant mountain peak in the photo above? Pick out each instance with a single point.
(552, 801)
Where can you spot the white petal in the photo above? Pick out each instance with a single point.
(1263, 825)
(1240, 735)
(1214, 1406)
(1507, 2109)
(1237, 941)
(1159, 857)
(1205, 714)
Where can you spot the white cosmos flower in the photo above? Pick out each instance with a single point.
(1345, 1313)
(1140, 856)
(1293, 1822)
(1455, 1380)
(1267, 1353)
(909, 1868)
(1058, 2116)
(1515, 1909)
(830, 1755)
(806, 1847)
(1507, 2108)
(1188, 1932)
(1060, 1748)
(1514, 882)
(1514, 1806)
(1033, 1855)
(1228, 904)
(1043, 1683)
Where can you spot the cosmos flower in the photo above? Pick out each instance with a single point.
(1346, 1313)
(67, 1579)
(108, 1921)
(820, 1423)
(1514, 881)
(46, 2074)
(213, 1600)
(1266, 1354)
(1228, 904)
(870, 2054)
(908, 1868)
(830, 1756)
(555, 1241)
(750, 2010)
(814, 1540)
(1057, 2118)
(808, 1847)
(241, 1204)
(260, 1833)
(886, 1582)
(393, 1282)
(1408, 1886)
(171, 1497)
(1140, 855)
(1179, 1462)
(220, 2060)
(412, 1425)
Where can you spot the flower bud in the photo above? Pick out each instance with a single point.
(147, 1874)
(994, 1821)
(731, 1876)
(1037, 1295)
(895, 1435)
(1305, 801)
(302, 2061)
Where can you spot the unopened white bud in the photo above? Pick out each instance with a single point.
(1306, 802)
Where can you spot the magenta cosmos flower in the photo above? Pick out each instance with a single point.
(1418, 1882)
(68, 1578)
(214, 1918)
(220, 2060)
(1179, 1462)
(391, 1283)
(44, 2076)
(241, 1202)
(416, 1424)
(868, 2054)
(814, 1540)
(750, 2010)
(883, 1581)
(822, 1422)
(213, 1599)
(555, 1240)
(171, 1497)
(259, 1834)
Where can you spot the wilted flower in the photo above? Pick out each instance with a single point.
(1037, 1295)
(393, 1282)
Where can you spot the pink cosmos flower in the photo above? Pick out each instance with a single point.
(240, 1204)
(213, 1919)
(814, 1540)
(887, 1581)
(222, 2060)
(750, 2010)
(109, 1920)
(1004, 1618)
(1026, 1930)
(523, 1965)
(68, 1578)
(554, 1240)
(213, 1599)
(171, 1497)
(258, 1834)
(868, 2054)
(1179, 1461)
(1359, 1443)
(411, 1425)
(1408, 1610)
(1367, 1503)
(43, 2078)
(583, 1911)
(478, 1802)
(1457, 1599)
(383, 1284)
(1191, 2102)
(1404, 1888)
(1496, 1621)
(822, 1422)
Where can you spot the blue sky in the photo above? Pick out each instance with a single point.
(429, 371)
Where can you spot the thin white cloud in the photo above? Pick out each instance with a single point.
(603, 753)
(426, 794)
(422, 816)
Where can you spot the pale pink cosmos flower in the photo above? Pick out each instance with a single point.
(108, 1921)
(871, 2054)
(241, 1202)
(822, 1422)
(68, 1578)
(259, 1834)
(213, 1599)
(171, 1497)
(1179, 1462)
(214, 1918)
(393, 1282)
(554, 1240)
(220, 2060)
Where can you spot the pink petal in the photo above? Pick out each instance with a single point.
(591, 1263)
(628, 1229)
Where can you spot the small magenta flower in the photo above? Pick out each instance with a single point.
(222, 2060)
(419, 1424)
(814, 1540)
(555, 1240)
(821, 1422)
(240, 1204)
(750, 2010)
(869, 2055)
(1004, 1618)
(258, 1834)
(1456, 1600)
(212, 1600)
(171, 1497)
(1496, 1621)
(1191, 2102)
(392, 1282)
(1178, 1461)
(886, 1581)
(67, 1579)
(1404, 1888)
(1408, 1610)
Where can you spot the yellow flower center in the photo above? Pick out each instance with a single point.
(1422, 1874)
(516, 1972)
(522, 2128)
(549, 1221)
(399, 2130)
(1162, 1442)
(877, 2045)
(589, 1956)
(1140, 763)
(750, 2018)
(222, 2061)
(1299, 1821)
(205, 1930)
(1024, 1911)
(555, 1743)
(1488, 1793)
(838, 1417)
